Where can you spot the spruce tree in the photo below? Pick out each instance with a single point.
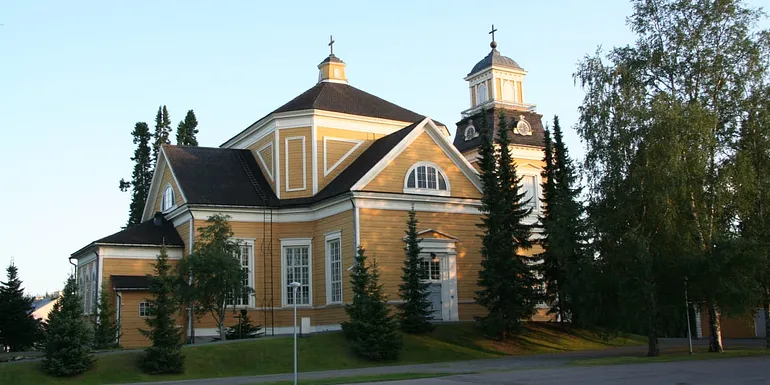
(415, 311)
(68, 336)
(186, 130)
(372, 332)
(510, 289)
(165, 354)
(18, 329)
(106, 328)
(244, 328)
(564, 258)
(162, 132)
(142, 174)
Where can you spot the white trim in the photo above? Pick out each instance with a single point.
(157, 176)
(427, 191)
(192, 235)
(270, 170)
(282, 330)
(443, 142)
(252, 271)
(290, 242)
(304, 163)
(163, 199)
(314, 158)
(333, 236)
(277, 162)
(538, 208)
(134, 252)
(437, 232)
(357, 144)
(284, 215)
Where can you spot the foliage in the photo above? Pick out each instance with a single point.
(415, 311)
(187, 130)
(165, 354)
(68, 336)
(509, 288)
(566, 265)
(212, 276)
(658, 121)
(162, 132)
(371, 331)
(141, 176)
(106, 329)
(244, 328)
(19, 330)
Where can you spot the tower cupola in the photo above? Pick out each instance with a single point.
(332, 69)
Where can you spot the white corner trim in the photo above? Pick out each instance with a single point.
(277, 164)
(357, 143)
(304, 163)
(314, 157)
(270, 170)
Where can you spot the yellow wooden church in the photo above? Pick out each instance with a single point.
(331, 170)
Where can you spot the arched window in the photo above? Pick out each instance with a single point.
(168, 199)
(426, 178)
(482, 95)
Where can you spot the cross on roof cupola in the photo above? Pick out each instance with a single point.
(496, 80)
(332, 69)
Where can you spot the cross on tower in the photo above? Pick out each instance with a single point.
(492, 32)
(331, 44)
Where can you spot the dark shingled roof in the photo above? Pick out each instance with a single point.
(216, 176)
(496, 59)
(493, 114)
(346, 99)
(145, 233)
(332, 58)
(219, 176)
(130, 282)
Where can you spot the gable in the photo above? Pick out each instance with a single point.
(162, 177)
(423, 149)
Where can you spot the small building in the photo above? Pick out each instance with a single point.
(333, 169)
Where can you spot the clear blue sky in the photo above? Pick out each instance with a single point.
(75, 76)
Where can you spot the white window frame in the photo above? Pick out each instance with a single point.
(163, 207)
(482, 93)
(250, 244)
(426, 191)
(538, 191)
(328, 238)
(146, 307)
(294, 242)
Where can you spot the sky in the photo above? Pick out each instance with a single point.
(76, 76)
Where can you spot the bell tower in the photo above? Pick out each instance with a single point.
(332, 69)
(496, 80)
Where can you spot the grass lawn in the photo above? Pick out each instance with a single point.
(327, 351)
(698, 354)
(357, 379)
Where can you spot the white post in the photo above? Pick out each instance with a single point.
(295, 286)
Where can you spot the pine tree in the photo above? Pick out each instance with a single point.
(509, 287)
(68, 336)
(186, 130)
(372, 332)
(106, 328)
(415, 310)
(165, 354)
(244, 328)
(564, 257)
(162, 132)
(18, 329)
(142, 175)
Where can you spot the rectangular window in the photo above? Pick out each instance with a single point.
(244, 257)
(144, 309)
(430, 270)
(421, 178)
(334, 269)
(431, 177)
(529, 185)
(297, 269)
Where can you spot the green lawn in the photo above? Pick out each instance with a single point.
(698, 354)
(328, 351)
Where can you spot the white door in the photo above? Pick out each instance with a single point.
(431, 273)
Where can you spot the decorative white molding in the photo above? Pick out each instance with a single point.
(314, 158)
(138, 252)
(277, 163)
(356, 144)
(270, 170)
(304, 163)
(289, 242)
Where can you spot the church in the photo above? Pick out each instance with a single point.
(333, 169)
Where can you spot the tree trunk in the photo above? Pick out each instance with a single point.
(715, 329)
(653, 349)
(766, 309)
(221, 325)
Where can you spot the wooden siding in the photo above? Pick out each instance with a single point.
(184, 233)
(391, 179)
(337, 149)
(295, 162)
(732, 327)
(268, 154)
(165, 180)
(131, 322)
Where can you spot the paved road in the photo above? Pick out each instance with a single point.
(730, 371)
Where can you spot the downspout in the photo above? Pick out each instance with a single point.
(98, 290)
(355, 225)
(191, 314)
(118, 313)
